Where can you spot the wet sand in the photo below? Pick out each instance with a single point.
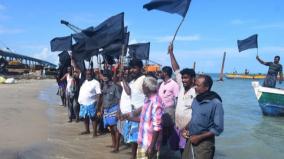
(34, 126)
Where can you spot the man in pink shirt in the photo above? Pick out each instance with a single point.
(168, 92)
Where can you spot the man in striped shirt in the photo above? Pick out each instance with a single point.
(150, 121)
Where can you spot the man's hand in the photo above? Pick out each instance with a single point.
(171, 48)
(99, 114)
(195, 139)
(124, 116)
(185, 133)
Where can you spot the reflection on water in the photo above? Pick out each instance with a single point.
(248, 134)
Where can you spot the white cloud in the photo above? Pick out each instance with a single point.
(132, 41)
(46, 55)
(210, 59)
(4, 30)
(178, 38)
(275, 49)
(269, 26)
(237, 22)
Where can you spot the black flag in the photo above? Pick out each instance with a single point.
(115, 49)
(139, 51)
(110, 30)
(171, 6)
(248, 43)
(64, 62)
(61, 43)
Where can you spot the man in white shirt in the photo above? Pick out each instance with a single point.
(135, 90)
(185, 80)
(88, 98)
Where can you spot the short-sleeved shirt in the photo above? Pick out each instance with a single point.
(111, 95)
(88, 92)
(184, 102)
(168, 92)
(137, 95)
(274, 69)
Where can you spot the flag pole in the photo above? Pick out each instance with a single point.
(257, 51)
(177, 30)
(121, 58)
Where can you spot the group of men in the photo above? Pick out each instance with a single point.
(180, 112)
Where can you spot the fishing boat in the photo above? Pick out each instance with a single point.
(244, 76)
(271, 100)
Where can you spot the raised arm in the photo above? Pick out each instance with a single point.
(64, 77)
(126, 87)
(261, 61)
(172, 56)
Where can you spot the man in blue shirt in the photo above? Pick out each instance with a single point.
(207, 119)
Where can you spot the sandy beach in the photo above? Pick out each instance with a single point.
(34, 126)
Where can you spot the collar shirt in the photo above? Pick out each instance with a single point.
(207, 115)
(168, 92)
(183, 108)
(150, 121)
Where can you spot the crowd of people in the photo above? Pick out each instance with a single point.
(146, 110)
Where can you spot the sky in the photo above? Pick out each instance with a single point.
(211, 27)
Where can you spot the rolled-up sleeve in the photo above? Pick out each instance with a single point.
(157, 113)
(218, 126)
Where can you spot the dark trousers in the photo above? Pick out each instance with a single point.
(204, 150)
(70, 100)
(76, 108)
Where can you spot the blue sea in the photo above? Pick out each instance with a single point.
(248, 134)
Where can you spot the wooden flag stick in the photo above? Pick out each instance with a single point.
(121, 59)
(177, 30)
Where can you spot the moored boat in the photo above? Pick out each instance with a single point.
(271, 100)
(244, 76)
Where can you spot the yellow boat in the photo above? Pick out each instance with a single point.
(244, 76)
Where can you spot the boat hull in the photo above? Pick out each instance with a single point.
(271, 100)
(244, 76)
(271, 110)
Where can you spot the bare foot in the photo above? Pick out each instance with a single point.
(114, 151)
(95, 135)
(85, 133)
(111, 146)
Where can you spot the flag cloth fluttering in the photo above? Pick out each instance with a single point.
(139, 51)
(248, 43)
(110, 30)
(61, 43)
(171, 6)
